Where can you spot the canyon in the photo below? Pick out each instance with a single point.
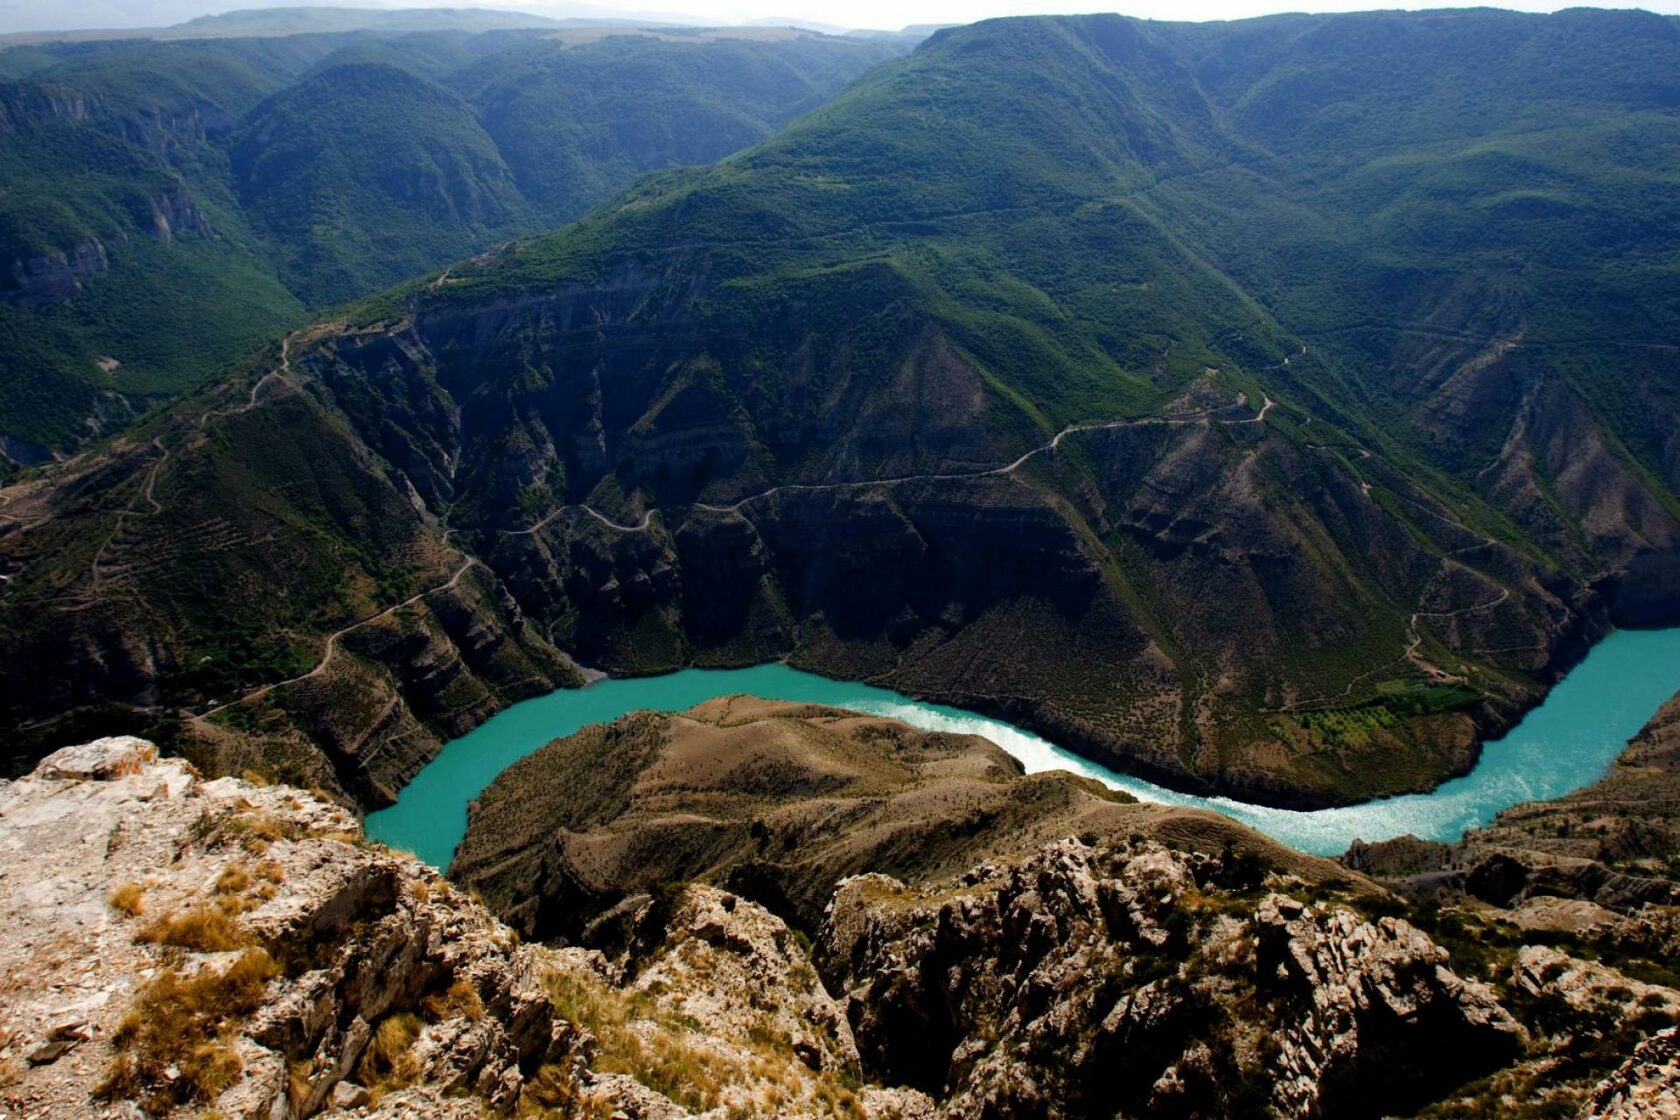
(1275, 411)
(1127, 492)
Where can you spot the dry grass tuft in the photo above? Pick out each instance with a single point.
(126, 899)
(203, 929)
(298, 1083)
(173, 1046)
(459, 1001)
(249, 827)
(388, 1062)
(551, 1091)
(233, 879)
(630, 1041)
(659, 1048)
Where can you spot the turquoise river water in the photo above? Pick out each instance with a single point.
(1564, 744)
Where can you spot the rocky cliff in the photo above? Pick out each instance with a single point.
(650, 503)
(54, 277)
(178, 946)
(182, 944)
(39, 281)
(1199, 1010)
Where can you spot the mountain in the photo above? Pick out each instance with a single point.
(640, 104)
(171, 205)
(37, 21)
(411, 178)
(1272, 408)
(254, 22)
(125, 245)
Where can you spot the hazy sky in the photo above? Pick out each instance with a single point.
(65, 14)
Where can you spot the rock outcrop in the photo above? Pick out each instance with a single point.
(176, 946)
(723, 985)
(1384, 1022)
(172, 945)
(48, 278)
(1098, 983)
(1645, 1087)
(138, 900)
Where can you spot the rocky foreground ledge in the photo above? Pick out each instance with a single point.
(171, 945)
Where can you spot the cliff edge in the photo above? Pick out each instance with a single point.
(171, 945)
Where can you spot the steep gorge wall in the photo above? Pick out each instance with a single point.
(672, 508)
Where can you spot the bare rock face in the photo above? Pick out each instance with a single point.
(1084, 983)
(37, 282)
(1646, 1087)
(1381, 1010)
(101, 760)
(172, 943)
(711, 980)
(1586, 986)
(176, 946)
(722, 955)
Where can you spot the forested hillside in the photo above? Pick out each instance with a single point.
(169, 205)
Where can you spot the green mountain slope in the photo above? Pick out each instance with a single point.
(635, 105)
(407, 179)
(1156, 386)
(170, 205)
(120, 239)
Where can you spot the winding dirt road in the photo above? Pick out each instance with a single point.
(332, 644)
(956, 476)
(280, 371)
(96, 574)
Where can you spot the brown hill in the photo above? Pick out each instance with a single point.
(781, 801)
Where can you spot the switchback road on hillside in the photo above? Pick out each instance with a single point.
(332, 643)
(863, 484)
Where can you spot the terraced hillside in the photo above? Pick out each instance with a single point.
(1177, 391)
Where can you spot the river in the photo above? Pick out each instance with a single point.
(1565, 743)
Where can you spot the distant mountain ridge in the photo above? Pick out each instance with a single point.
(187, 20)
(309, 20)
